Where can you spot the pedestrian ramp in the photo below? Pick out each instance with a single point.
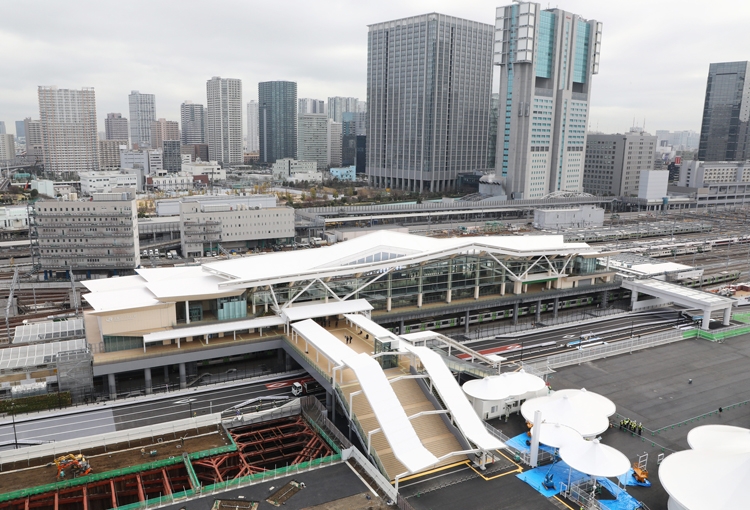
(462, 412)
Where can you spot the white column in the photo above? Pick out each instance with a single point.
(727, 316)
(187, 311)
(535, 438)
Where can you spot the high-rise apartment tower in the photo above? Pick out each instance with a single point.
(277, 120)
(224, 120)
(193, 123)
(142, 114)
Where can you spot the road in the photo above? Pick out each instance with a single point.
(93, 420)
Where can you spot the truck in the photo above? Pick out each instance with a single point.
(306, 388)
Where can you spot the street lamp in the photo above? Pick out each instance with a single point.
(13, 417)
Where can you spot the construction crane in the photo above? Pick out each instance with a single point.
(75, 465)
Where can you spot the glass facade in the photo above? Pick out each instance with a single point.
(233, 307)
(277, 120)
(581, 56)
(429, 83)
(724, 130)
(122, 343)
(545, 56)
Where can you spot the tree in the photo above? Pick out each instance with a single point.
(313, 193)
(34, 193)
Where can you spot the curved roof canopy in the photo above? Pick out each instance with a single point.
(565, 411)
(505, 385)
(595, 458)
(557, 436)
(715, 474)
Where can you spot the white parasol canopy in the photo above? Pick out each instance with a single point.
(720, 438)
(566, 412)
(556, 435)
(505, 385)
(598, 403)
(726, 452)
(594, 458)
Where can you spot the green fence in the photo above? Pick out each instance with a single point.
(322, 433)
(50, 487)
(717, 336)
(213, 451)
(274, 473)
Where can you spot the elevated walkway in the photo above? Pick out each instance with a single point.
(453, 396)
(690, 298)
(402, 439)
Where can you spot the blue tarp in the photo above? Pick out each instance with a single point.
(561, 473)
(624, 500)
(629, 479)
(519, 443)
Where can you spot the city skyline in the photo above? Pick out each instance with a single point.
(628, 86)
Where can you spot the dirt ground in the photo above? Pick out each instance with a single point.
(115, 457)
(356, 502)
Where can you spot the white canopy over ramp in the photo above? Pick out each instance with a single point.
(461, 410)
(323, 341)
(301, 312)
(396, 427)
(370, 326)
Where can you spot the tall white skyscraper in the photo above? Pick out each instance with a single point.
(193, 123)
(547, 59)
(307, 105)
(7, 146)
(142, 114)
(337, 106)
(252, 127)
(224, 120)
(69, 135)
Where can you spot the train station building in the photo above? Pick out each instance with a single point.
(405, 283)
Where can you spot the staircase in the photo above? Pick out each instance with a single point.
(433, 433)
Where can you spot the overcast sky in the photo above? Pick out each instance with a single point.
(654, 60)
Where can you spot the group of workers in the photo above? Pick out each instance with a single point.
(631, 425)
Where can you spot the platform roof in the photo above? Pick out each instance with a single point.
(223, 327)
(377, 251)
(303, 311)
(29, 356)
(461, 410)
(370, 326)
(131, 298)
(49, 330)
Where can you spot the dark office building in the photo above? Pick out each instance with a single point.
(277, 120)
(361, 154)
(172, 154)
(196, 151)
(724, 131)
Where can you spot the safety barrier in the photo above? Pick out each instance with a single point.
(313, 410)
(374, 473)
(578, 356)
(110, 438)
(719, 335)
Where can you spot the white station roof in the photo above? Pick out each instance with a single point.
(223, 327)
(297, 313)
(595, 459)
(396, 427)
(565, 411)
(503, 386)
(726, 452)
(378, 250)
(48, 330)
(456, 402)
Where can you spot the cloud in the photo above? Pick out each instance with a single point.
(654, 60)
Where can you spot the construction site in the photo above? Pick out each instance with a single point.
(169, 462)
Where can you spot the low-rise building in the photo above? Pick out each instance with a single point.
(569, 217)
(109, 153)
(210, 168)
(100, 234)
(234, 222)
(14, 218)
(163, 181)
(287, 168)
(613, 163)
(44, 187)
(105, 182)
(348, 173)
